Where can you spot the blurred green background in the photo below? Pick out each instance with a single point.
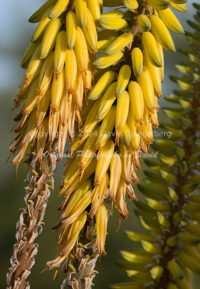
(15, 33)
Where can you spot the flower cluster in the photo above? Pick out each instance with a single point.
(122, 109)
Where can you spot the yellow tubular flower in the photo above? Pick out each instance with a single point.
(49, 37)
(137, 61)
(101, 228)
(98, 195)
(95, 9)
(71, 29)
(144, 23)
(90, 32)
(33, 69)
(103, 161)
(101, 85)
(70, 74)
(88, 151)
(122, 111)
(106, 128)
(170, 20)
(115, 174)
(45, 77)
(123, 79)
(81, 12)
(41, 26)
(58, 8)
(131, 4)
(120, 43)
(81, 51)
(112, 23)
(161, 33)
(106, 102)
(146, 85)
(150, 45)
(57, 91)
(60, 52)
(27, 55)
(108, 60)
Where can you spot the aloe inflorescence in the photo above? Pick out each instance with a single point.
(169, 250)
(122, 109)
(93, 77)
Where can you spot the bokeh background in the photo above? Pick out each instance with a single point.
(15, 33)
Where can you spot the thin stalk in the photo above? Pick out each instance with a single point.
(30, 224)
(80, 271)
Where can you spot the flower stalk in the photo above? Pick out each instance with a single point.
(81, 268)
(40, 181)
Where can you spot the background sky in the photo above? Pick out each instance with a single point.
(15, 33)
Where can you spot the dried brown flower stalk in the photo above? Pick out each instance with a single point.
(30, 224)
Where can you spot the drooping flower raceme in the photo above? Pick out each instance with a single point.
(117, 123)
